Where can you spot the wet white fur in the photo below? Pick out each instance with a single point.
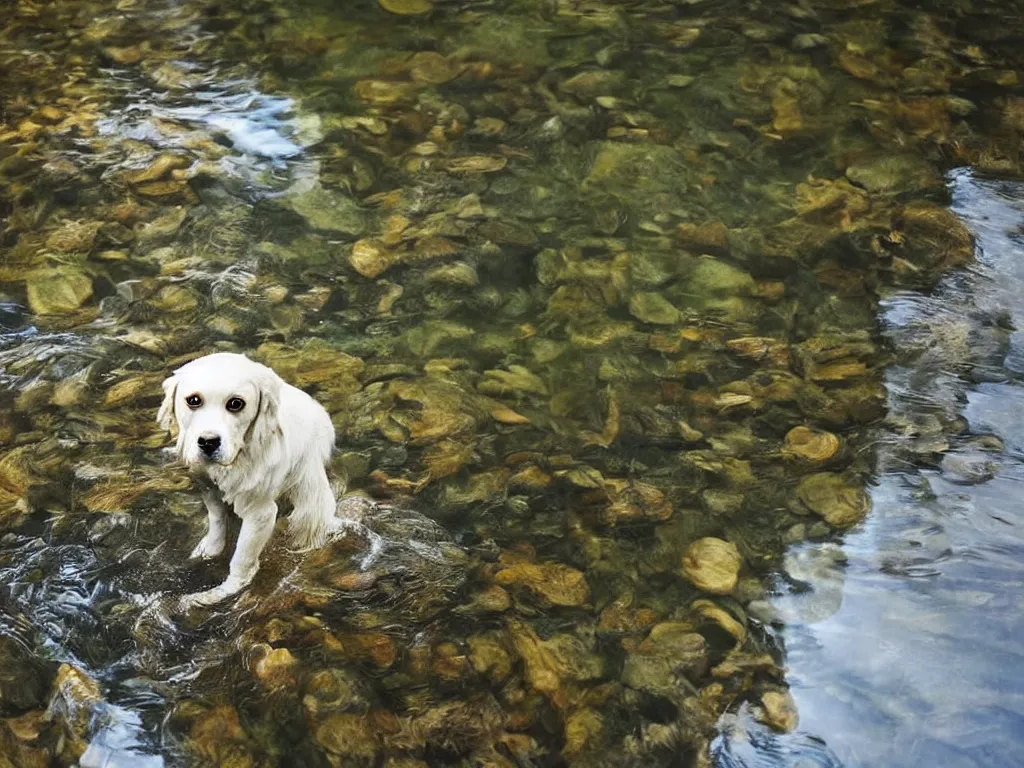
(275, 447)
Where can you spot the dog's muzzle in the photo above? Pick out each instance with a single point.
(209, 445)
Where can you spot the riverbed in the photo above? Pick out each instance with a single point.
(672, 350)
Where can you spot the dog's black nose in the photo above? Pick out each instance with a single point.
(209, 445)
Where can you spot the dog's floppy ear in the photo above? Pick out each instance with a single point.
(265, 424)
(165, 416)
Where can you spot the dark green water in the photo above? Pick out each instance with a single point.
(671, 349)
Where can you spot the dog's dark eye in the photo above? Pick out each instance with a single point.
(193, 401)
(235, 404)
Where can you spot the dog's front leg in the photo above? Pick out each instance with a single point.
(212, 544)
(257, 526)
(258, 519)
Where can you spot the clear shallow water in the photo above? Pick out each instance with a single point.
(567, 277)
(906, 649)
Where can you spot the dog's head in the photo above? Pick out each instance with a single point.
(221, 406)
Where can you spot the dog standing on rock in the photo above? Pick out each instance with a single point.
(257, 438)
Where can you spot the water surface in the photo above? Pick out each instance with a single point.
(672, 351)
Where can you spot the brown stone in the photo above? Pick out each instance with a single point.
(712, 565)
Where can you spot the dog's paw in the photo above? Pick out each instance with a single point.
(208, 547)
(195, 600)
(231, 586)
(201, 599)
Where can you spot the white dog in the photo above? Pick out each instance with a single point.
(257, 439)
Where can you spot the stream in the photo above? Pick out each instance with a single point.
(674, 350)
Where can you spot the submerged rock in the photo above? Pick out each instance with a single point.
(893, 174)
(161, 228)
(778, 711)
(58, 290)
(490, 656)
(75, 701)
(810, 444)
(970, 467)
(634, 503)
(711, 237)
(160, 167)
(274, 667)
(670, 656)
(621, 617)
(24, 678)
(407, 7)
(714, 278)
(761, 348)
(516, 380)
(314, 362)
(830, 496)
(650, 307)
(323, 208)
(621, 166)
(714, 614)
(553, 583)
(430, 67)
(931, 238)
(370, 258)
(583, 732)
(435, 410)
(384, 93)
(712, 565)
(74, 236)
(476, 164)
(217, 736)
(554, 663)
